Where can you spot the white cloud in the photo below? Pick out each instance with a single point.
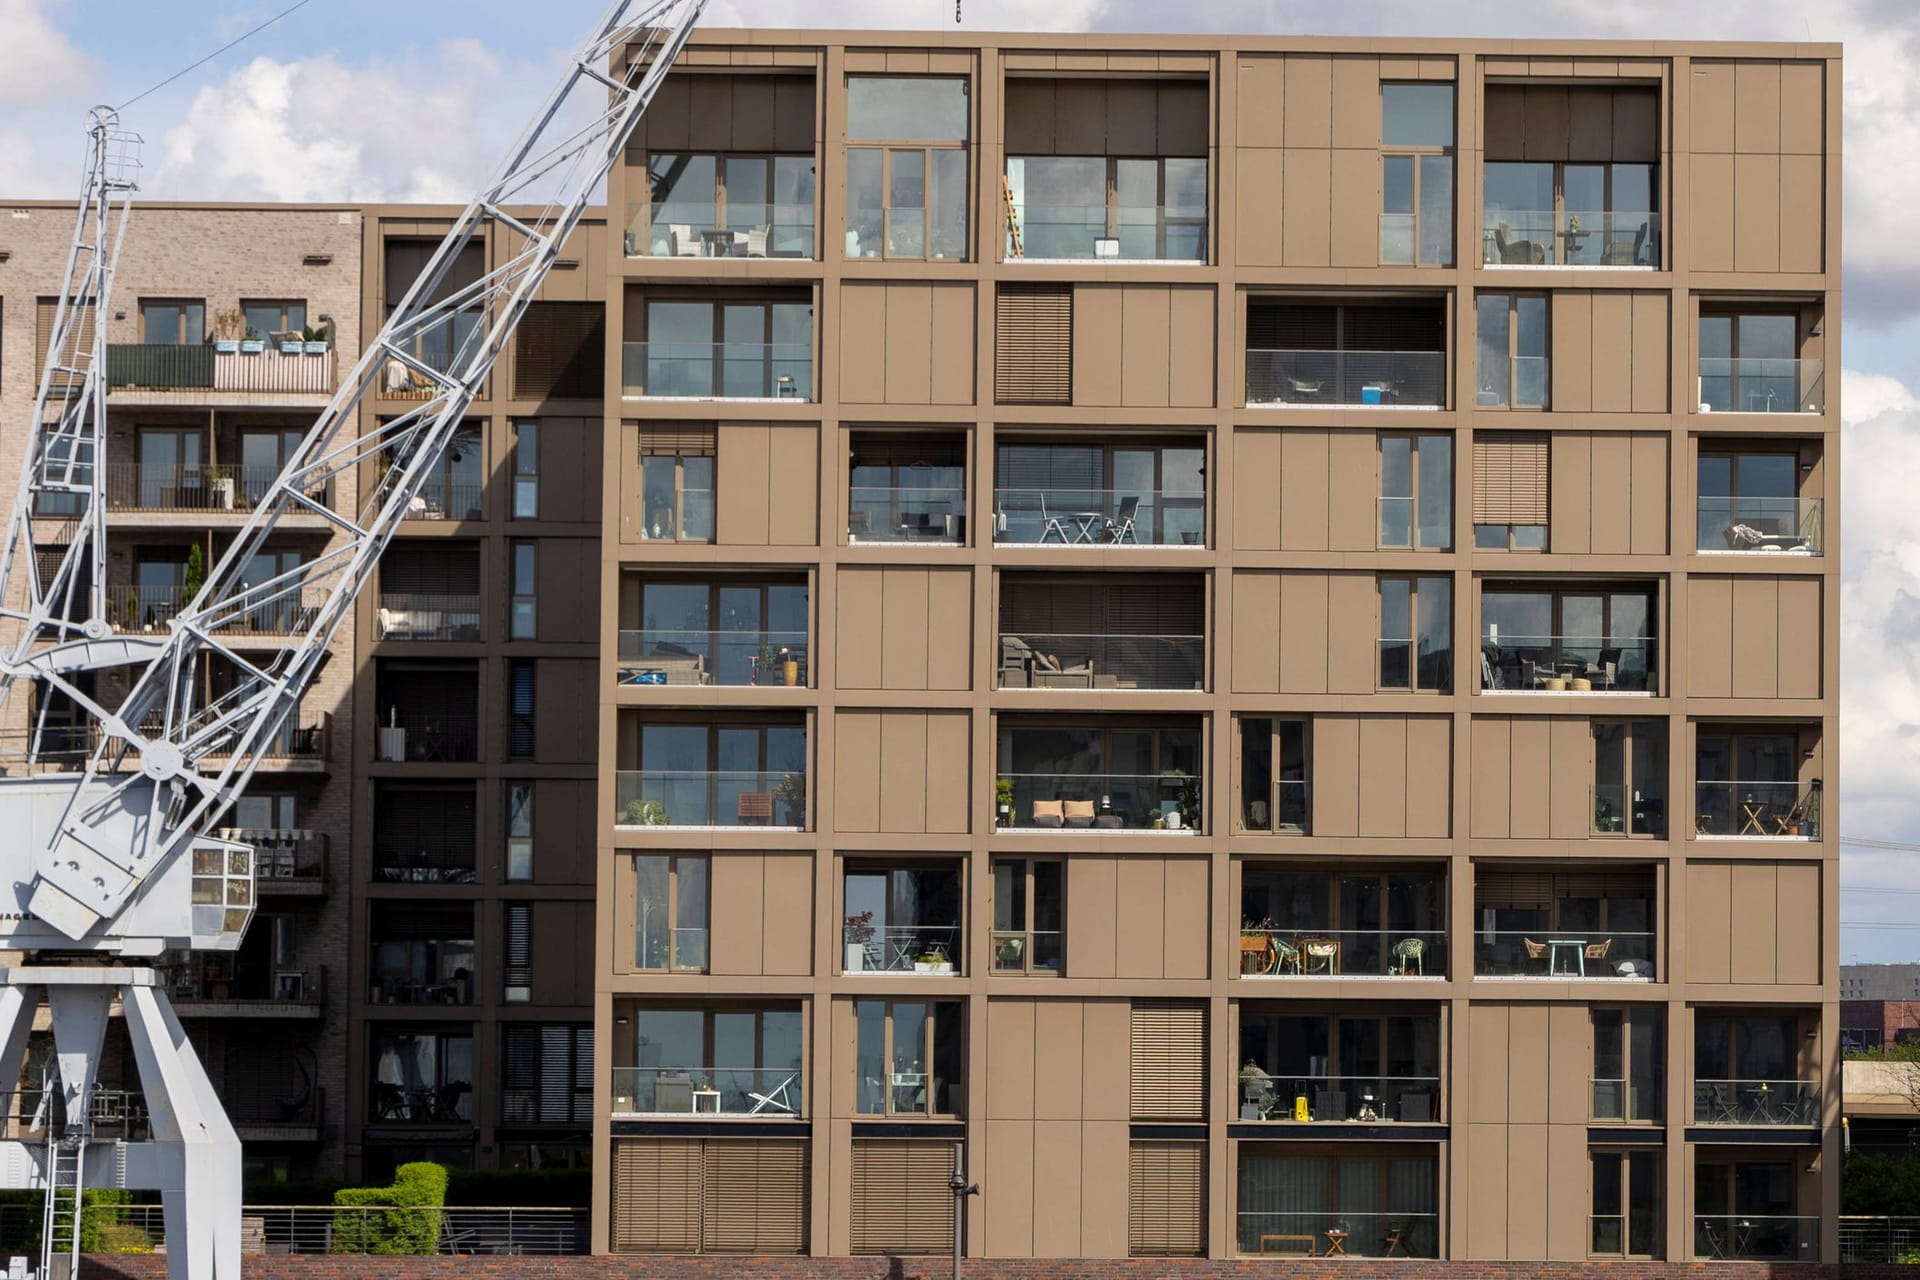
(37, 62)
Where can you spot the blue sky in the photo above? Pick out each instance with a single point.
(412, 99)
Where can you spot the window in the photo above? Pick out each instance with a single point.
(1750, 500)
(902, 919)
(1033, 344)
(1384, 1203)
(728, 350)
(1750, 783)
(1750, 363)
(1159, 487)
(523, 612)
(519, 831)
(520, 739)
(1576, 214)
(1629, 1055)
(1080, 776)
(1416, 169)
(722, 633)
(900, 1204)
(1029, 917)
(265, 811)
(421, 1076)
(423, 953)
(453, 487)
(1376, 1068)
(1416, 492)
(906, 488)
(907, 201)
(264, 454)
(1512, 351)
(1746, 1050)
(425, 832)
(1510, 491)
(435, 347)
(1273, 775)
(707, 205)
(676, 482)
(276, 617)
(526, 471)
(908, 1057)
(670, 912)
(172, 475)
(1746, 1209)
(1626, 1204)
(1630, 778)
(546, 1073)
(743, 1055)
(175, 322)
(1416, 633)
(1149, 209)
(1384, 921)
(734, 773)
(266, 317)
(1594, 638)
(1535, 921)
(516, 952)
(1390, 354)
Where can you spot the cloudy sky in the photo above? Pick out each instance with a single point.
(317, 107)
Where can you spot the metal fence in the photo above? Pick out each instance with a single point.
(332, 1229)
(1865, 1239)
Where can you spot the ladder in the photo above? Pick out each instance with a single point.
(60, 1223)
(1014, 249)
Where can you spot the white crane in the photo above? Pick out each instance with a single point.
(110, 860)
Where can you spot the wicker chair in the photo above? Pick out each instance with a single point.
(1535, 950)
(1599, 950)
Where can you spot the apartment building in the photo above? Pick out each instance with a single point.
(1241, 629)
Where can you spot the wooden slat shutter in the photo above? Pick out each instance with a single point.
(77, 355)
(755, 1197)
(682, 439)
(520, 1073)
(656, 1195)
(901, 1201)
(560, 350)
(1603, 883)
(518, 948)
(419, 567)
(1167, 1200)
(907, 451)
(1033, 344)
(1277, 326)
(1512, 889)
(1510, 478)
(1169, 1056)
(1393, 327)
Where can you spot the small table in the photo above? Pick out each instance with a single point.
(1751, 813)
(719, 241)
(1267, 1243)
(1086, 520)
(706, 1100)
(1579, 948)
(1336, 1242)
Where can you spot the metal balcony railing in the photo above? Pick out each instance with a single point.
(410, 615)
(1338, 1232)
(1757, 1236)
(1756, 1103)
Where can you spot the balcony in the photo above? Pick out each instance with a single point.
(922, 515)
(427, 738)
(162, 372)
(287, 861)
(718, 370)
(1344, 1232)
(1107, 233)
(902, 919)
(661, 656)
(1268, 951)
(695, 229)
(197, 490)
(429, 616)
(1766, 1237)
(765, 799)
(441, 498)
(1757, 1103)
(1095, 518)
(1045, 660)
(766, 1093)
(1162, 802)
(1570, 238)
(1584, 664)
(1789, 525)
(424, 832)
(231, 985)
(426, 712)
(1544, 922)
(1361, 1099)
(1513, 953)
(1348, 379)
(1761, 384)
(1785, 810)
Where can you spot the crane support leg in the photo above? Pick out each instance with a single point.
(189, 1127)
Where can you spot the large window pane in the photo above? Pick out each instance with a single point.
(1436, 492)
(1436, 210)
(1416, 115)
(907, 203)
(1436, 633)
(917, 109)
(947, 211)
(1494, 341)
(866, 201)
(1530, 349)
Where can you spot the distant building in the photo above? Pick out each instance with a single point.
(1872, 1024)
(1880, 982)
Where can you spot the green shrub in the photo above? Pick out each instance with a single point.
(1878, 1185)
(411, 1224)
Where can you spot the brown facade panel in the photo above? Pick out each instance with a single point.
(1532, 778)
(906, 343)
(901, 771)
(1128, 351)
(1754, 923)
(904, 629)
(1609, 493)
(761, 919)
(1305, 632)
(1759, 185)
(1754, 636)
(1381, 776)
(769, 486)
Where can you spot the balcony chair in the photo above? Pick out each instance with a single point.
(1604, 673)
(1410, 954)
(1049, 672)
(1324, 950)
(673, 1094)
(754, 808)
(1535, 950)
(1120, 524)
(1016, 663)
(682, 241)
(1077, 813)
(1788, 823)
(1287, 956)
(1537, 675)
(1257, 1091)
(1599, 950)
(751, 243)
(396, 624)
(1049, 813)
(1618, 255)
(1051, 524)
(778, 1100)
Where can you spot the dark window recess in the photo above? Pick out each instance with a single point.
(1274, 326)
(517, 926)
(560, 351)
(430, 568)
(1033, 344)
(520, 708)
(547, 1074)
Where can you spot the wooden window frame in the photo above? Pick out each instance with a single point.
(887, 150)
(1631, 728)
(1413, 439)
(1412, 640)
(1509, 402)
(1274, 749)
(1625, 1014)
(282, 304)
(674, 924)
(1623, 1160)
(1414, 153)
(181, 304)
(1023, 932)
(681, 450)
(1161, 222)
(929, 1030)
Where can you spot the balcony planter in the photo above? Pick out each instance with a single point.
(291, 346)
(252, 346)
(1009, 952)
(314, 348)
(226, 346)
(856, 931)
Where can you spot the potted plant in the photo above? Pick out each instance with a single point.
(1003, 801)
(1253, 1084)
(315, 341)
(644, 813)
(292, 346)
(229, 327)
(792, 793)
(1186, 794)
(1008, 953)
(856, 932)
(933, 960)
(1256, 945)
(252, 342)
(196, 574)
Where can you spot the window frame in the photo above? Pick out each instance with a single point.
(928, 1036)
(512, 992)
(677, 515)
(722, 160)
(1416, 155)
(1632, 1027)
(1509, 401)
(523, 600)
(517, 867)
(888, 150)
(1559, 212)
(674, 927)
(444, 1036)
(1026, 871)
(1414, 582)
(525, 463)
(1163, 222)
(1626, 1158)
(718, 307)
(580, 1102)
(1631, 729)
(1276, 754)
(1414, 500)
(519, 721)
(183, 306)
(283, 304)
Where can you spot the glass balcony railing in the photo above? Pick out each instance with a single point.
(1027, 950)
(1759, 524)
(902, 232)
(906, 514)
(1329, 1233)
(1037, 660)
(907, 948)
(1325, 379)
(1570, 238)
(1562, 953)
(1757, 1236)
(1635, 1098)
(718, 370)
(1130, 233)
(1397, 529)
(1287, 811)
(427, 737)
(710, 798)
(1367, 1099)
(769, 1093)
(694, 230)
(1761, 384)
(425, 865)
(1289, 953)
(1782, 810)
(1511, 382)
(412, 615)
(1105, 801)
(657, 656)
(1099, 517)
(1512, 663)
(1619, 810)
(1760, 1103)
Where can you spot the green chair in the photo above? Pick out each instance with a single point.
(1410, 954)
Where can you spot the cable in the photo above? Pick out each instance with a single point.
(1895, 845)
(216, 53)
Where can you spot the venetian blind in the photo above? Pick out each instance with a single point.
(1169, 1060)
(901, 1201)
(560, 350)
(1510, 478)
(77, 355)
(1167, 1199)
(1033, 344)
(676, 438)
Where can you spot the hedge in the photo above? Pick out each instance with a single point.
(411, 1224)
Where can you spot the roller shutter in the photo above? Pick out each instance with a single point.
(901, 1201)
(1167, 1200)
(1510, 478)
(1169, 1060)
(1033, 344)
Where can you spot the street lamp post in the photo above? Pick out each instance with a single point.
(961, 1190)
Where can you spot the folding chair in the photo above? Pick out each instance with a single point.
(777, 1099)
(1120, 524)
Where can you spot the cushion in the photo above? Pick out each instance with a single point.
(1048, 813)
(1079, 813)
